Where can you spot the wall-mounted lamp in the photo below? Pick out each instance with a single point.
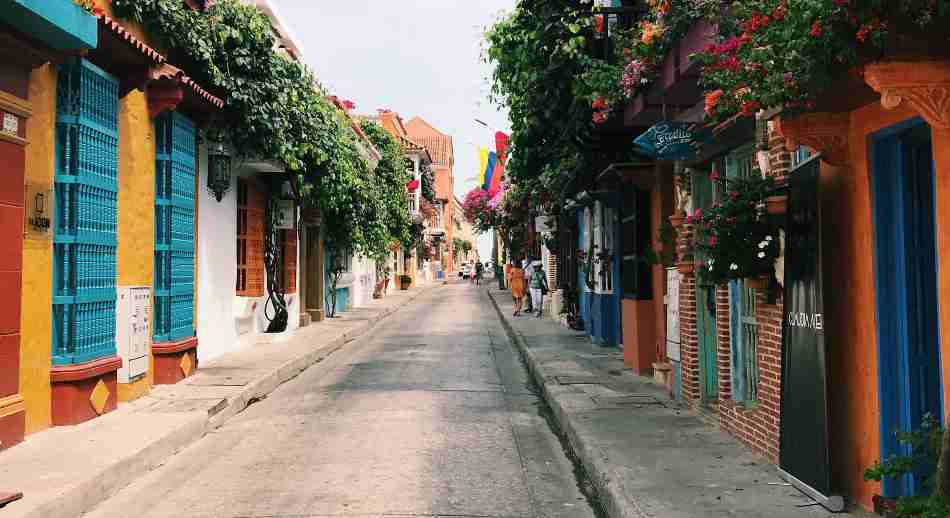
(39, 220)
(219, 170)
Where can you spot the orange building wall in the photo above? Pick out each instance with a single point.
(941, 150)
(848, 241)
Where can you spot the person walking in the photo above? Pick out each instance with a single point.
(479, 270)
(528, 266)
(539, 286)
(516, 281)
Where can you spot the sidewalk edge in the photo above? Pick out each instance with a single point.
(616, 504)
(85, 495)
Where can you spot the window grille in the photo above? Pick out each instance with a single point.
(174, 227)
(744, 329)
(84, 234)
(250, 239)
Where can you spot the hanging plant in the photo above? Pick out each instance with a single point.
(734, 236)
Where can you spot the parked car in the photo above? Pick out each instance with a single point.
(465, 271)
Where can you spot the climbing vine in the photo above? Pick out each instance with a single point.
(274, 109)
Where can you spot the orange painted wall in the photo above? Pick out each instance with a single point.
(848, 241)
(941, 145)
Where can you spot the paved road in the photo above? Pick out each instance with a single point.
(429, 415)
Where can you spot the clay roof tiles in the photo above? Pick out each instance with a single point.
(119, 30)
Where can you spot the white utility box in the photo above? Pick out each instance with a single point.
(133, 340)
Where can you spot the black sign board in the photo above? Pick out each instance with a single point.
(804, 452)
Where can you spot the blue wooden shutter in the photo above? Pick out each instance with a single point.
(84, 232)
(174, 227)
(735, 341)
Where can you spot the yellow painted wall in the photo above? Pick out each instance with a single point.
(36, 322)
(136, 233)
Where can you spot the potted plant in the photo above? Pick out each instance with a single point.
(734, 238)
(404, 282)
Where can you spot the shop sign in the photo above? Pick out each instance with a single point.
(669, 140)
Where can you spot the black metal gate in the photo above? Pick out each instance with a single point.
(804, 453)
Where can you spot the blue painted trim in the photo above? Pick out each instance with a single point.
(889, 190)
(61, 24)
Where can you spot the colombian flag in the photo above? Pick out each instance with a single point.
(482, 164)
(489, 170)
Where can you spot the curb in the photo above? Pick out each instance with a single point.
(615, 502)
(84, 496)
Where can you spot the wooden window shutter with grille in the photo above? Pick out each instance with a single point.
(250, 239)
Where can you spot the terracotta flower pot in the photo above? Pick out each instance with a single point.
(757, 283)
(686, 267)
(776, 205)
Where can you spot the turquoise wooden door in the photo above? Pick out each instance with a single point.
(84, 231)
(706, 304)
(174, 227)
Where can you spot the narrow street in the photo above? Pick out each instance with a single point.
(431, 414)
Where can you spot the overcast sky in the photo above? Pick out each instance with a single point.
(415, 57)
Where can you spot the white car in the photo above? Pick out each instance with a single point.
(465, 271)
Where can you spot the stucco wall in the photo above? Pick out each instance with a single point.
(217, 267)
(848, 239)
(36, 316)
(135, 253)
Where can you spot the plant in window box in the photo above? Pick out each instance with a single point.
(735, 238)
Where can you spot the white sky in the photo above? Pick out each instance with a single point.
(415, 57)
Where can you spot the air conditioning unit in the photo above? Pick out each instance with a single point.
(133, 339)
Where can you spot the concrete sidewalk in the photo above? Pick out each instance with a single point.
(646, 456)
(65, 471)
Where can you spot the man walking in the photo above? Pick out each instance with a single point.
(539, 286)
(479, 269)
(528, 267)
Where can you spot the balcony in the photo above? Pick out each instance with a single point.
(413, 207)
(677, 84)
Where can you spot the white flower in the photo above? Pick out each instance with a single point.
(761, 255)
(710, 267)
(733, 266)
(763, 244)
(711, 261)
(768, 238)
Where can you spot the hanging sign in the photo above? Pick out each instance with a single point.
(670, 140)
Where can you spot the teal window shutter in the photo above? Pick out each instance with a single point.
(174, 227)
(735, 342)
(84, 231)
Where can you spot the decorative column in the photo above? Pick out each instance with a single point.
(925, 86)
(313, 278)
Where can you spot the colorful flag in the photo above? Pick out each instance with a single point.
(489, 170)
(501, 149)
(482, 164)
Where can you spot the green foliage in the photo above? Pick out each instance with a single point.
(785, 53)
(924, 445)
(428, 183)
(274, 109)
(735, 239)
(389, 184)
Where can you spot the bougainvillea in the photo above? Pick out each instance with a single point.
(786, 53)
(477, 210)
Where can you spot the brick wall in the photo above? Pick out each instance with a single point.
(689, 340)
(756, 425)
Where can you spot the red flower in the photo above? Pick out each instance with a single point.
(750, 107)
(714, 175)
(745, 39)
(779, 13)
(712, 241)
(599, 103)
(841, 3)
(733, 195)
(712, 100)
(816, 29)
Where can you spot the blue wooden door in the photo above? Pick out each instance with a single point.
(84, 232)
(906, 283)
(174, 227)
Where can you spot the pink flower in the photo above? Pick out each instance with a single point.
(712, 241)
(714, 175)
(698, 214)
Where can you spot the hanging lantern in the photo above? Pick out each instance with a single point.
(219, 170)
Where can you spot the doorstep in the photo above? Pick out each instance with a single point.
(66, 470)
(645, 454)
